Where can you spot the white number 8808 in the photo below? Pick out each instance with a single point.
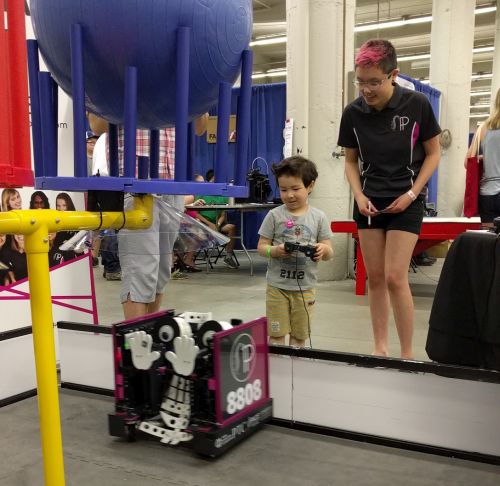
(243, 396)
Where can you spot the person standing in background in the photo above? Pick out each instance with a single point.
(146, 255)
(489, 185)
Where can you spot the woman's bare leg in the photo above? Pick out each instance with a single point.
(373, 248)
(399, 249)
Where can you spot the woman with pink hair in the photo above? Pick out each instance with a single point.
(390, 136)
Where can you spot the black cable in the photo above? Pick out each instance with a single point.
(302, 294)
(100, 214)
(124, 219)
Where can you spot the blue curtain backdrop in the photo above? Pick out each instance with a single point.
(268, 113)
(433, 95)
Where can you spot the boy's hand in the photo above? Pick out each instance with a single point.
(323, 251)
(278, 251)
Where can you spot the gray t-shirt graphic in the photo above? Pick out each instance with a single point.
(280, 226)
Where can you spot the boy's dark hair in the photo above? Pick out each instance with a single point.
(296, 166)
(377, 52)
(209, 175)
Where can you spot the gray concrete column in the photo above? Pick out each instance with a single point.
(452, 41)
(297, 66)
(495, 81)
(316, 66)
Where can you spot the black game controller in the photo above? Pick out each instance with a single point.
(307, 250)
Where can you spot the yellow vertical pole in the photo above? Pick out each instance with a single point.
(37, 247)
(35, 225)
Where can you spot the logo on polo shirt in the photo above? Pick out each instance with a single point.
(399, 123)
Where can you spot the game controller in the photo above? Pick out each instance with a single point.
(308, 250)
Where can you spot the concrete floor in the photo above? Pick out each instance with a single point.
(272, 456)
(341, 322)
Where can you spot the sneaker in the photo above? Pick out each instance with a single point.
(192, 269)
(178, 275)
(230, 261)
(112, 275)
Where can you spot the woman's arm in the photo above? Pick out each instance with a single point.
(352, 174)
(471, 148)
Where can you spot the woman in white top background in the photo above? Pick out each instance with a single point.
(489, 186)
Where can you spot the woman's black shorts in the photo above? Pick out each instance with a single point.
(409, 220)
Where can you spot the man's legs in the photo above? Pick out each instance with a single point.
(109, 255)
(146, 258)
(139, 257)
(131, 310)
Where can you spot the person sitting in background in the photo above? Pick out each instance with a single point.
(39, 200)
(216, 220)
(185, 257)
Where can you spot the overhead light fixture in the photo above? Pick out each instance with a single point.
(484, 10)
(416, 57)
(477, 50)
(479, 115)
(480, 93)
(480, 105)
(475, 77)
(267, 41)
(419, 57)
(391, 24)
(270, 74)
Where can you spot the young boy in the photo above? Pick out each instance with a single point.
(292, 273)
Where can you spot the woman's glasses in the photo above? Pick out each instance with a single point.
(372, 84)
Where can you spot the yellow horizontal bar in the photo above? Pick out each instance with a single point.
(30, 220)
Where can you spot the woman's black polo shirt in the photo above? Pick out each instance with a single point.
(389, 141)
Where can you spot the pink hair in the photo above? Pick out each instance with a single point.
(370, 55)
(373, 52)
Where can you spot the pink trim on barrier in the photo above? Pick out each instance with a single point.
(92, 289)
(56, 299)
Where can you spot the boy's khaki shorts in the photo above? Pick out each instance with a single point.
(287, 313)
